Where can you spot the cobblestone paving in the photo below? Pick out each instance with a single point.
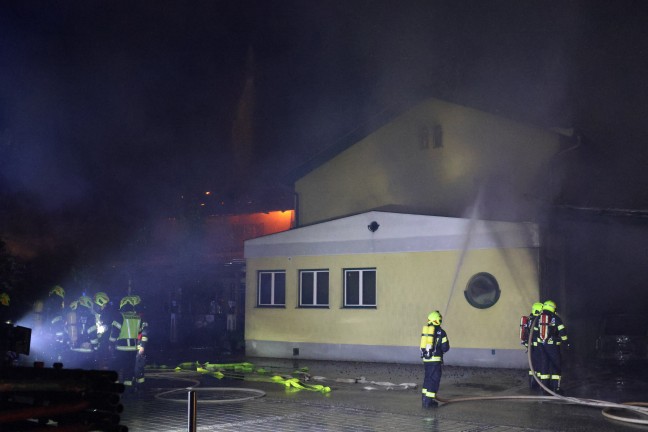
(264, 414)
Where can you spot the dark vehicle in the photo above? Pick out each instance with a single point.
(623, 339)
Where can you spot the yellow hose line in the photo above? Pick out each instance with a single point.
(246, 371)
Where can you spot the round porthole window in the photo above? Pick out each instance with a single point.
(482, 290)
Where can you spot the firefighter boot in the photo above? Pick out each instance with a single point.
(533, 385)
(429, 402)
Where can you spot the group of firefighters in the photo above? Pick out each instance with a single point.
(89, 332)
(542, 332)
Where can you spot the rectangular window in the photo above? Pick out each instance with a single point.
(360, 288)
(313, 288)
(272, 288)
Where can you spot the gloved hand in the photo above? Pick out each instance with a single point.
(425, 353)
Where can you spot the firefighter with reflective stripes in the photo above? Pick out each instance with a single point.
(434, 343)
(129, 337)
(80, 322)
(104, 315)
(527, 327)
(56, 319)
(551, 335)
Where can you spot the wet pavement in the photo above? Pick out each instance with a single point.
(375, 397)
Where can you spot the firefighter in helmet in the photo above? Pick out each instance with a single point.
(551, 335)
(101, 332)
(129, 336)
(434, 343)
(80, 323)
(56, 321)
(526, 330)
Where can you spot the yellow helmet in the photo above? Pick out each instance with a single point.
(536, 309)
(435, 318)
(85, 301)
(549, 305)
(131, 300)
(4, 299)
(101, 298)
(58, 290)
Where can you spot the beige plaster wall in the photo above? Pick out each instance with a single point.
(409, 286)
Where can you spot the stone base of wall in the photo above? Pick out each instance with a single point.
(473, 357)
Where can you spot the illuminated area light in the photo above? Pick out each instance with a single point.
(207, 193)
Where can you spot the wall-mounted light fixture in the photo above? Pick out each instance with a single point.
(373, 226)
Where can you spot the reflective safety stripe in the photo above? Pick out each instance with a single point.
(433, 359)
(555, 377)
(126, 348)
(544, 377)
(128, 383)
(140, 380)
(430, 394)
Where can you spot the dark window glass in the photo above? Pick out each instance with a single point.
(352, 288)
(322, 288)
(280, 289)
(272, 288)
(307, 287)
(360, 287)
(369, 287)
(314, 287)
(265, 289)
(482, 290)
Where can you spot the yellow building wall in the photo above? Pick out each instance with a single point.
(389, 167)
(409, 286)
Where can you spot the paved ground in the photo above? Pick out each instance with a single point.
(383, 399)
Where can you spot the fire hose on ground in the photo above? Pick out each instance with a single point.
(640, 408)
(248, 372)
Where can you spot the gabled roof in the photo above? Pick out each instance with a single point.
(396, 233)
(380, 119)
(361, 130)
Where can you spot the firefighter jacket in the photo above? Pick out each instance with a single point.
(434, 343)
(129, 334)
(550, 329)
(80, 323)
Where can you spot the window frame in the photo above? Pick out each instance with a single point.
(361, 304)
(273, 287)
(314, 273)
(492, 281)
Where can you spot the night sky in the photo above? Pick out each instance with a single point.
(114, 113)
